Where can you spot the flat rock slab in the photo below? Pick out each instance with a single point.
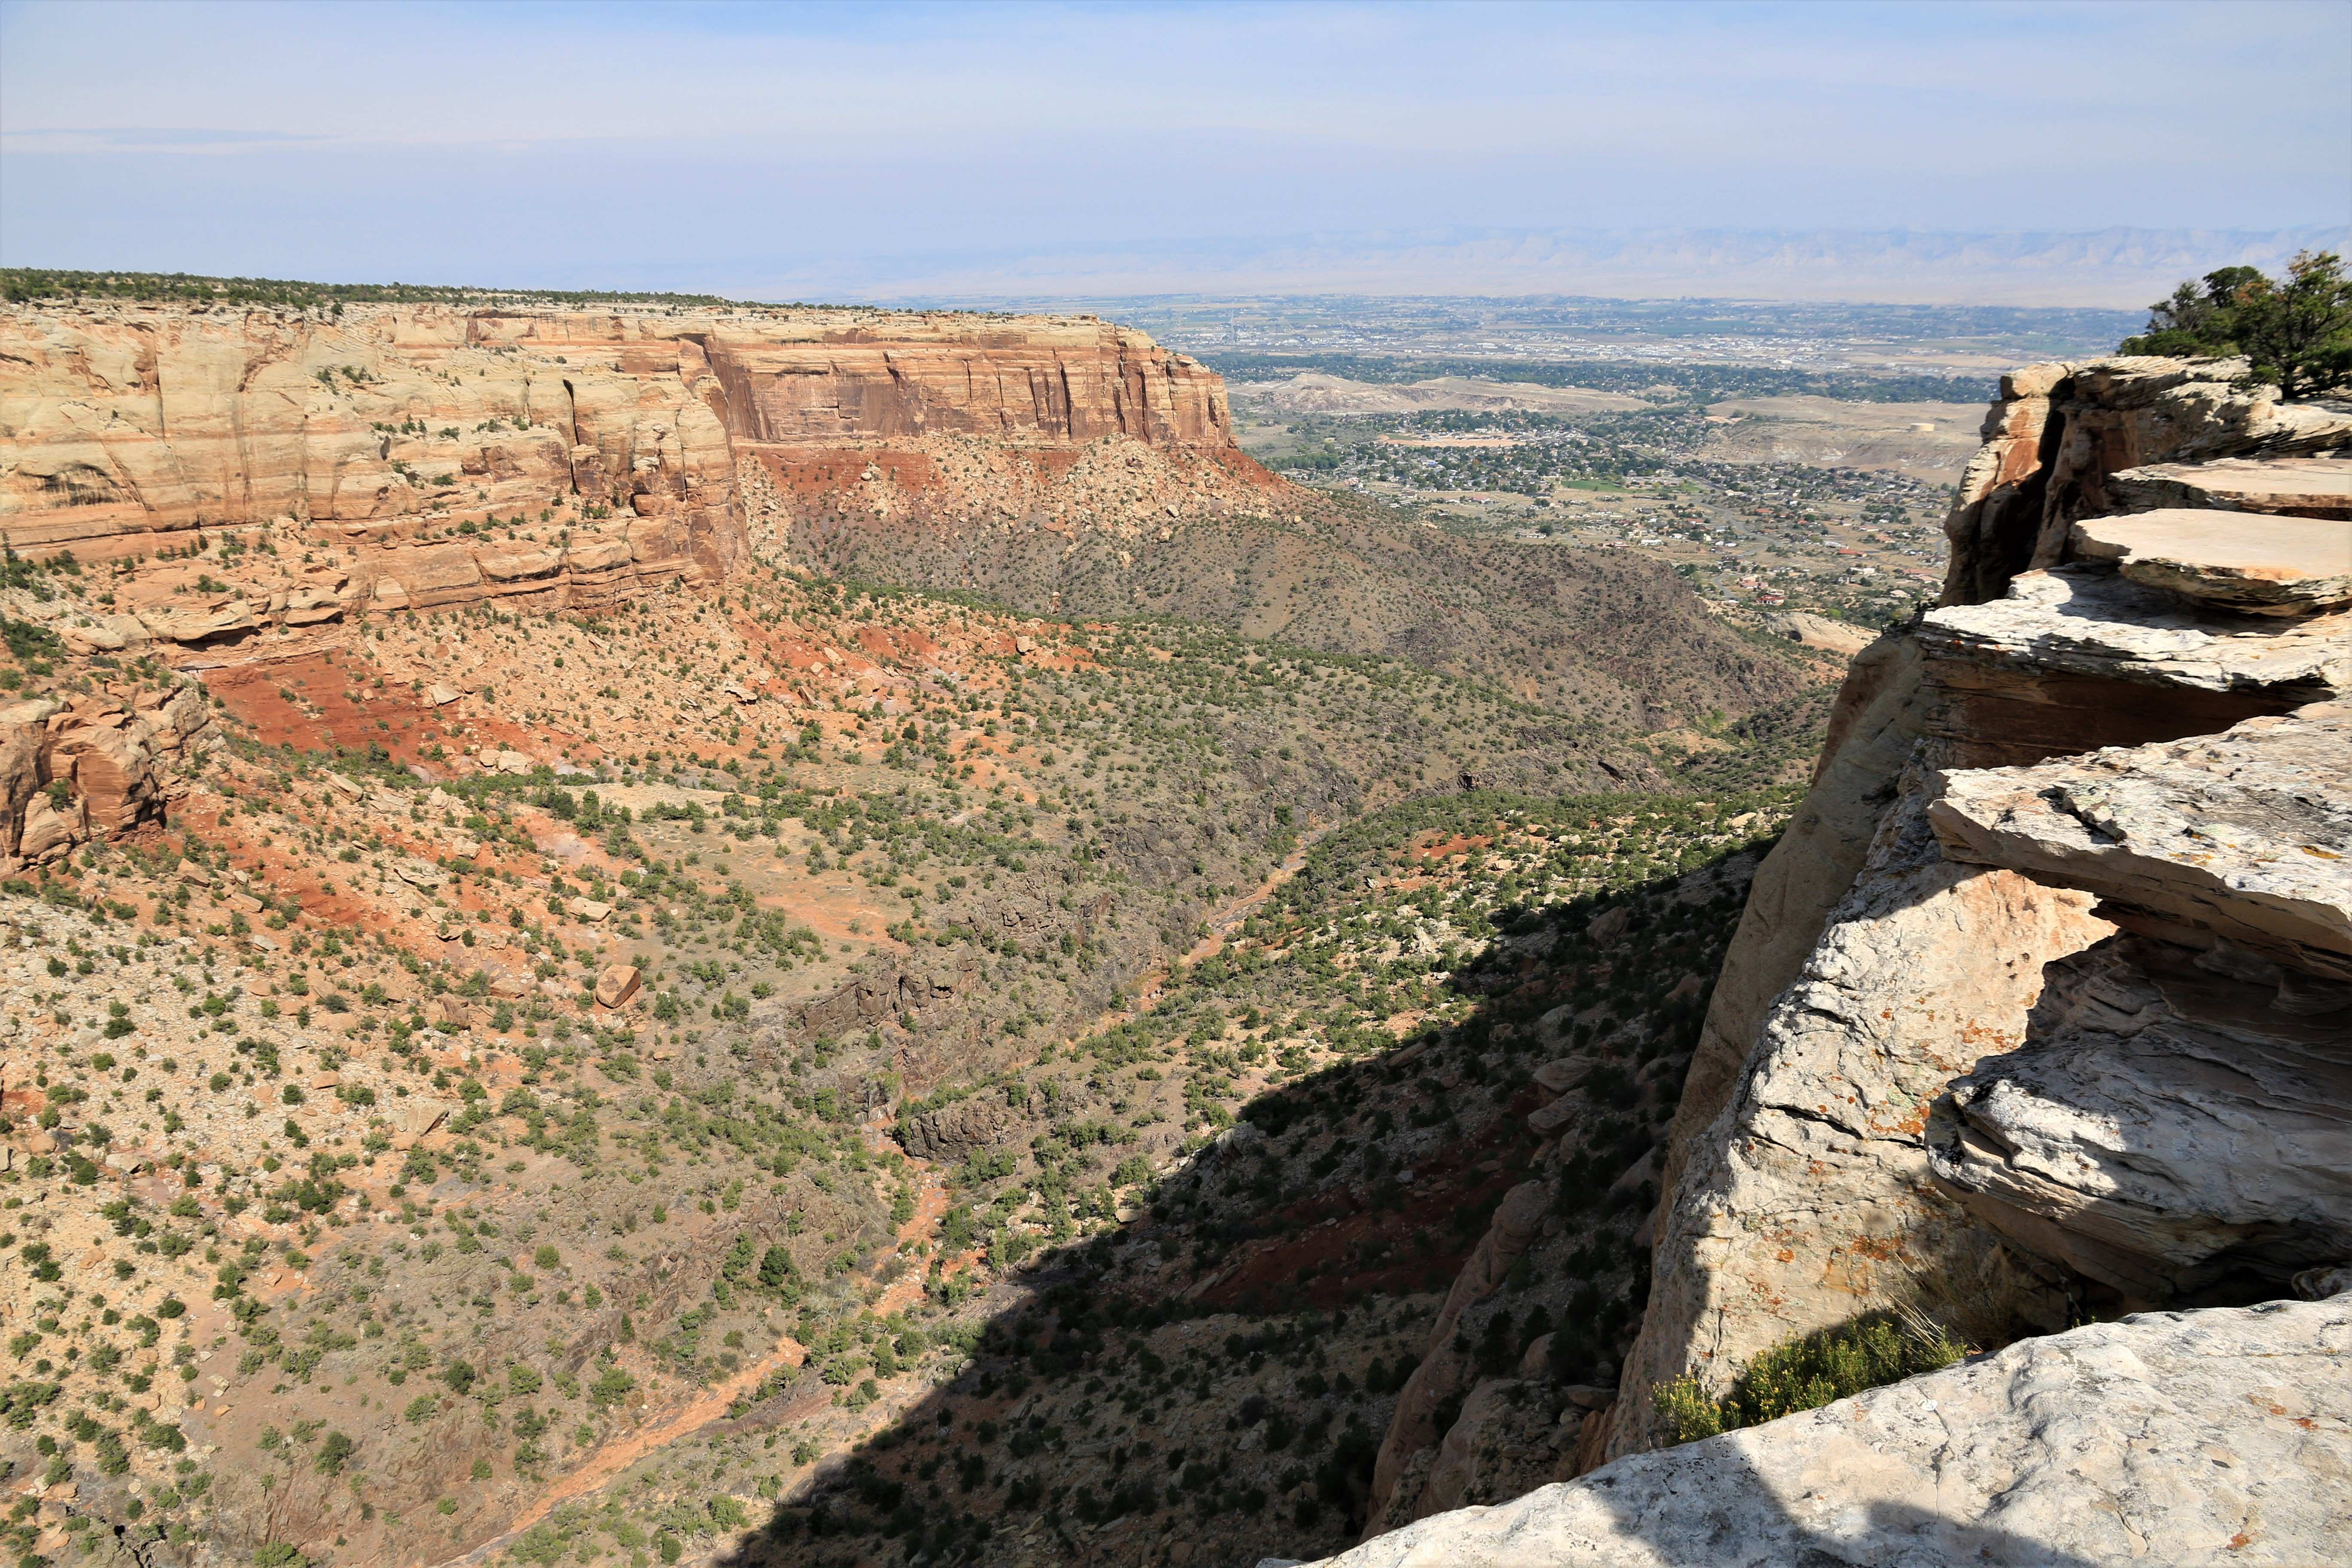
(2306, 487)
(2179, 1438)
(2252, 562)
(1820, 631)
(2247, 833)
(2085, 620)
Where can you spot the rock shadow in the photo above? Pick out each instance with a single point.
(1194, 1460)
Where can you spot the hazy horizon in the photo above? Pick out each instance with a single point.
(1893, 154)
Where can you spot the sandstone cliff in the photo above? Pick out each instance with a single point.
(2041, 1010)
(412, 458)
(232, 487)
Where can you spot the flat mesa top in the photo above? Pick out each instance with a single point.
(2254, 560)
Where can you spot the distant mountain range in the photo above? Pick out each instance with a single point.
(2114, 268)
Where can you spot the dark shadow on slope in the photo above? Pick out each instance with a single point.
(1293, 1230)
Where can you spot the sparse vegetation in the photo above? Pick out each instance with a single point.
(1809, 1372)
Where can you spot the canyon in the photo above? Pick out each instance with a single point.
(757, 935)
(448, 798)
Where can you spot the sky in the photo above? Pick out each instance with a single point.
(857, 151)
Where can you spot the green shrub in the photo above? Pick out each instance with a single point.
(1807, 1373)
(2295, 332)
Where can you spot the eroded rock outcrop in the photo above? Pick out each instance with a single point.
(2164, 1128)
(2042, 1008)
(1948, 990)
(2067, 441)
(94, 768)
(2182, 1437)
(2239, 834)
(413, 457)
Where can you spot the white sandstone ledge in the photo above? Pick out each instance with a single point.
(2167, 1438)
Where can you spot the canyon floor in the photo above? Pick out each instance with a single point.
(657, 1083)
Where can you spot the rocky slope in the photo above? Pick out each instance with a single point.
(2188, 1437)
(2037, 1014)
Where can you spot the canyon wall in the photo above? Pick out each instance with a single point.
(2040, 1012)
(223, 487)
(310, 469)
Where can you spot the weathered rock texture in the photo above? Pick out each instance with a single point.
(1964, 1083)
(2283, 566)
(97, 768)
(2011, 1032)
(2294, 487)
(2241, 834)
(2058, 434)
(2190, 1438)
(411, 458)
(2164, 1129)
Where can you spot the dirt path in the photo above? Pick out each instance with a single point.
(930, 1207)
(1222, 924)
(613, 1457)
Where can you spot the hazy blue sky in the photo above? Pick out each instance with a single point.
(733, 146)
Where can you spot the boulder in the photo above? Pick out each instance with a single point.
(956, 1130)
(1562, 1074)
(308, 605)
(89, 640)
(617, 985)
(186, 626)
(48, 828)
(414, 1120)
(2191, 1437)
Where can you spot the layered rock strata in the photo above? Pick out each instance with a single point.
(2068, 441)
(416, 457)
(1976, 1011)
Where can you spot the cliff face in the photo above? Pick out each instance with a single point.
(1887, 966)
(2042, 1008)
(1053, 381)
(412, 458)
(240, 487)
